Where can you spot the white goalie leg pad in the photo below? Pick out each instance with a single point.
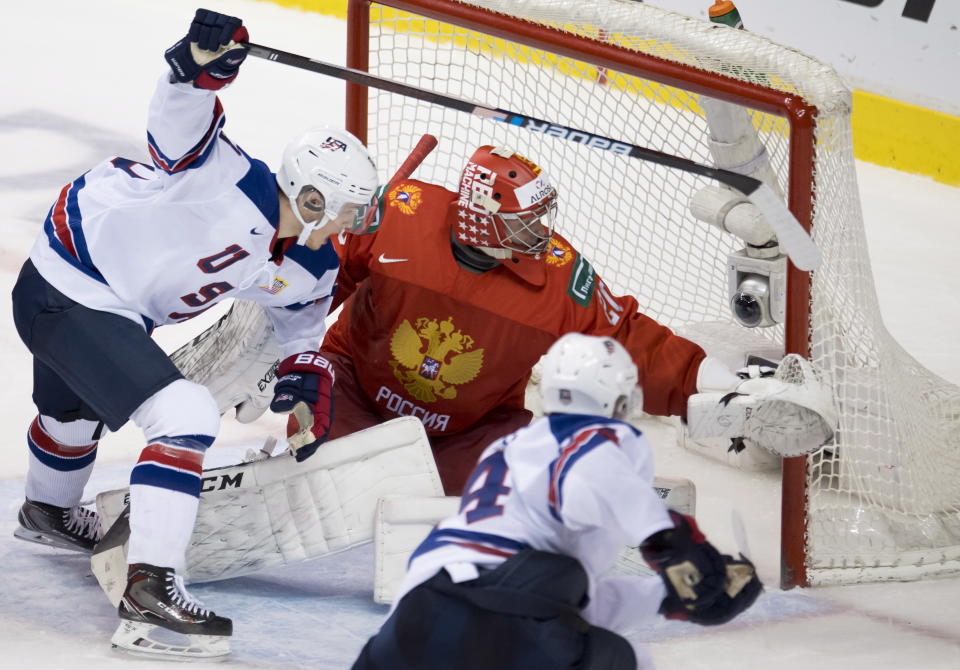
(678, 494)
(277, 511)
(402, 522)
(400, 525)
(789, 414)
(236, 359)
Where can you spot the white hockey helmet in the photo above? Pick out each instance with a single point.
(586, 374)
(335, 163)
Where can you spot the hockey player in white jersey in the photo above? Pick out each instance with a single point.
(519, 578)
(128, 246)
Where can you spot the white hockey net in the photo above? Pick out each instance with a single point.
(883, 500)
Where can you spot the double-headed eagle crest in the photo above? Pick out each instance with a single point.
(432, 373)
(558, 254)
(405, 197)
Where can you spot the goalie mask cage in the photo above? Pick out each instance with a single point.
(881, 501)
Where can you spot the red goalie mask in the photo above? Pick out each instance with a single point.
(505, 201)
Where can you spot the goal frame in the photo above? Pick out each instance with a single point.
(800, 115)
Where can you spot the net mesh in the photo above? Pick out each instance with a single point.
(883, 497)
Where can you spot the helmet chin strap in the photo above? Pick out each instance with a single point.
(308, 228)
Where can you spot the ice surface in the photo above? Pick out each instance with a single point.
(77, 79)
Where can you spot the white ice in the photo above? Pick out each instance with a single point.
(77, 77)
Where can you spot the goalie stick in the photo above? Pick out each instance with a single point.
(739, 532)
(791, 235)
(424, 146)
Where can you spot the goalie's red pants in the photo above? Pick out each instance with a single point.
(456, 455)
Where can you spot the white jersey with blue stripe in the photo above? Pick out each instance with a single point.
(161, 243)
(570, 484)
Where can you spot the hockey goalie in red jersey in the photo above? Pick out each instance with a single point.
(452, 298)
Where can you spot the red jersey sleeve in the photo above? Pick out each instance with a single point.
(667, 363)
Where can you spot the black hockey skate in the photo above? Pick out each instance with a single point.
(156, 604)
(75, 528)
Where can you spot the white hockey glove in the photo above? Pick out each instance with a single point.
(790, 413)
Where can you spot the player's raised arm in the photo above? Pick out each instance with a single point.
(185, 114)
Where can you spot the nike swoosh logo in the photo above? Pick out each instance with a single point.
(384, 259)
(253, 231)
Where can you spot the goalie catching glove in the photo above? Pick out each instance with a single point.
(790, 413)
(304, 390)
(211, 53)
(703, 585)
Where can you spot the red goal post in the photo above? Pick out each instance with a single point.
(632, 71)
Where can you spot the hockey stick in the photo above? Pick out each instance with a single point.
(424, 146)
(791, 235)
(739, 533)
(108, 563)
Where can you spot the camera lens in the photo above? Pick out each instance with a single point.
(750, 303)
(747, 309)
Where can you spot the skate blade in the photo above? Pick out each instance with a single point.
(150, 641)
(39, 537)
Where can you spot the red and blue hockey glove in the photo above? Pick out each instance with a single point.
(703, 585)
(304, 390)
(210, 55)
